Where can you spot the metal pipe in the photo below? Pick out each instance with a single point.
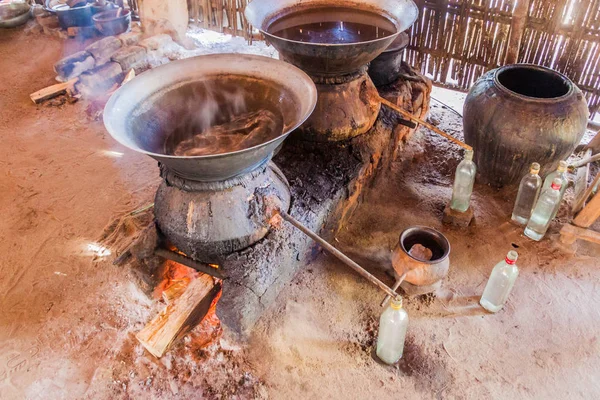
(341, 256)
(396, 286)
(188, 262)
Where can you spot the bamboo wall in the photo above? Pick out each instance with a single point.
(456, 41)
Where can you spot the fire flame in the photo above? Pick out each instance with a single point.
(176, 278)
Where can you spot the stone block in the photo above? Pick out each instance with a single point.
(130, 38)
(74, 65)
(456, 218)
(157, 42)
(129, 57)
(99, 80)
(103, 49)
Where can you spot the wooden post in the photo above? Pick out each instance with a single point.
(517, 27)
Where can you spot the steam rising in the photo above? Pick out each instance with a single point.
(215, 118)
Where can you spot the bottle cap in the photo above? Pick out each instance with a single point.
(396, 303)
(562, 166)
(556, 184)
(468, 155)
(511, 257)
(535, 168)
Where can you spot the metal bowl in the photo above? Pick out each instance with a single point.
(112, 22)
(14, 14)
(330, 58)
(142, 114)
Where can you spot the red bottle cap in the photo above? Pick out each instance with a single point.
(511, 257)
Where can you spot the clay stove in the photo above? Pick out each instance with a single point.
(211, 205)
(337, 57)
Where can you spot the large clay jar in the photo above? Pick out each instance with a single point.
(519, 114)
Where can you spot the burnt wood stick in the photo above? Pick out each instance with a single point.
(425, 124)
(341, 256)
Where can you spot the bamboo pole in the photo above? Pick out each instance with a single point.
(425, 124)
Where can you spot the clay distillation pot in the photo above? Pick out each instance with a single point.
(422, 276)
(519, 114)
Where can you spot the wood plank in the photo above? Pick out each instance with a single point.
(590, 212)
(52, 91)
(581, 201)
(180, 316)
(570, 232)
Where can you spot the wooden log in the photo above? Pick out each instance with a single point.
(180, 316)
(52, 91)
(569, 233)
(175, 290)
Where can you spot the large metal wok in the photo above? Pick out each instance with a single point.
(330, 58)
(140, 114)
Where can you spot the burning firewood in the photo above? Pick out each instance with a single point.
(180, 316)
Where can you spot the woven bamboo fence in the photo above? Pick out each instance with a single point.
(456, 41)
(225, 16)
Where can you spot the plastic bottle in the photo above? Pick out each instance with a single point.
(529, 190)
(392, 332)
(543, 211)
(500, 284)
(561, 172)
(463, 183)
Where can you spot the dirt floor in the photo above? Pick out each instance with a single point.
(68, 316)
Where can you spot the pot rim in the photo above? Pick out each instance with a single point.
(433, 232)
(538, 68)
(102, 16)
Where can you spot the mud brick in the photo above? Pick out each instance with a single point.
(103, 49)
(130, 38)
(456, 218)
(74, 65)
(99, 80)
(130, 57)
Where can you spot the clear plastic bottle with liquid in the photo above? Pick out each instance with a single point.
(500, 284)
(561, 172)
(463, 183)
(544, 210)
(392, 332)
(529, 190)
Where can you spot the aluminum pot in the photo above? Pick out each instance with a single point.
(386, 68)
(519, 114)
(421, 276)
